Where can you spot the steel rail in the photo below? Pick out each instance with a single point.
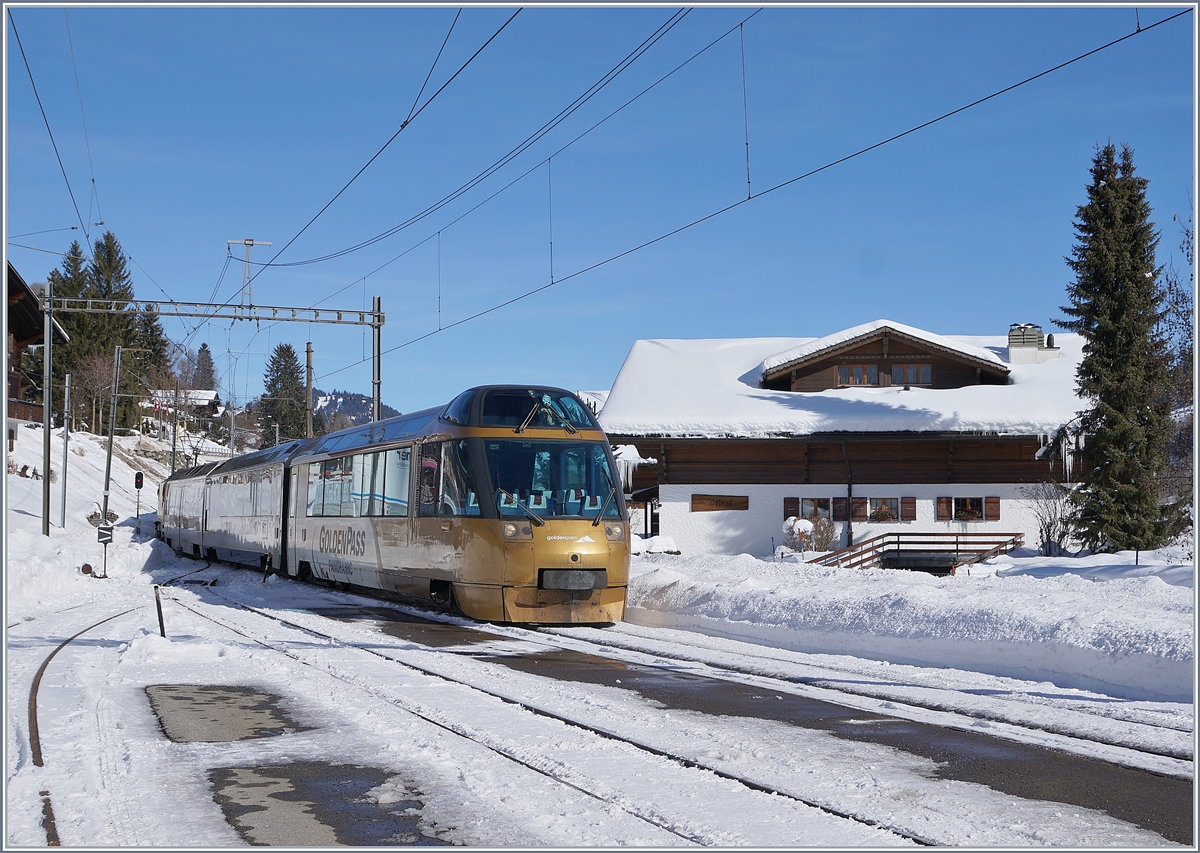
(35, 742)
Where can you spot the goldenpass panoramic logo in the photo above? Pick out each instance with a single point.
(342, 540)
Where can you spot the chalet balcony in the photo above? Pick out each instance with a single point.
(22, 410)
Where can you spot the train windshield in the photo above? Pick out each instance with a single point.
(552, 478)
(523, 408)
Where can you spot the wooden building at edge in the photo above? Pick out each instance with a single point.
(882, 428)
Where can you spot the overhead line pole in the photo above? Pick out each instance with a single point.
(47, 405)
(376, 401)
(247, 279)
(66, 439)
(375, 318)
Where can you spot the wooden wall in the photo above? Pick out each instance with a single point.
(897, 459)
(947, 372)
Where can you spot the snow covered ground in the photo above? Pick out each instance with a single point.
(1062, 653)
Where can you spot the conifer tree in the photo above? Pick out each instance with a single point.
(206, 374)
(283, 399)
(1116, 305)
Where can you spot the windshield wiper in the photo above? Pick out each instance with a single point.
(612, 493)
(542, 405)
(529, 417)
(533, 516)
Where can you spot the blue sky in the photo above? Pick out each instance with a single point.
(211, 124)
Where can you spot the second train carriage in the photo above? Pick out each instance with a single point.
(506, 501)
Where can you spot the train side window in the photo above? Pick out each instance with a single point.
(395, 481)
(316, 490)
(350, 501)
(457, 484)
(368, 483)
(335, 474)
(427, 485)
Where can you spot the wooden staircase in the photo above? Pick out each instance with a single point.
(937, 553)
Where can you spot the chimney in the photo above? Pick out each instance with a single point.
(1027, 344)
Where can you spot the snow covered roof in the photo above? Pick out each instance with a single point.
(819, 346)
(186, 397)
(710, 389)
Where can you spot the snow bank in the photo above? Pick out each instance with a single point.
(1130, 637)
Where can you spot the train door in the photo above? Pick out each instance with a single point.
(294, 529)
(433, 534)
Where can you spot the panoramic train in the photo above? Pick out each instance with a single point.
(505, 503)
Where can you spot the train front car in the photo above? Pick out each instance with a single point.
(506, 500)
(546, 475)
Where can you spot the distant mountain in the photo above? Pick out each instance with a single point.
(354, 406)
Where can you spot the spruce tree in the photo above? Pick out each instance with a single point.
(206, 374)
(1116, 305)
(283, 399)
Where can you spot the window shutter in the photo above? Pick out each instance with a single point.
(840, 512)
(858, 509)
(991, 509)
(908, 509)
(945, 509)
(791, 508)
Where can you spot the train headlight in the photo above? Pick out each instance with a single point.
(614, 531)
(516, 530)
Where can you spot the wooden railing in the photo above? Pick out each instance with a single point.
(21, 410)
(964, 548)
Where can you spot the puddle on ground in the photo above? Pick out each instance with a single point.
(316, 804)
(195, 713)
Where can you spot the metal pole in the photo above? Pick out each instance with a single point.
(162, 628)
(112, 427)
(231, 451)
(175, 427)
(376, 402)
(308, 423)
(66, 438)
(276, 434)
(47, 405)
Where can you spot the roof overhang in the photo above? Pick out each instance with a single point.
(880, 332)
(26, 320)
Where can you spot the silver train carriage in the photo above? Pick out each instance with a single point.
(504, 502)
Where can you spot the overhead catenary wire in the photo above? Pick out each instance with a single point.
(54, 144)
(87, 143)
(538, 165)
(390, 140)
(648, 42)
(421, 91)
(533, 138)
(712, 215)
(645, 45)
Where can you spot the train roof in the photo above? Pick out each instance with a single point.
(377, 432)
(462, 410)
(265, 456)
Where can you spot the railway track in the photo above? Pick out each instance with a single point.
(566, 776)
(613, 644)
(1118, 732)
(243, 609)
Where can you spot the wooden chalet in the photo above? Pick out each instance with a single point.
(882, 427)
(26, 328)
